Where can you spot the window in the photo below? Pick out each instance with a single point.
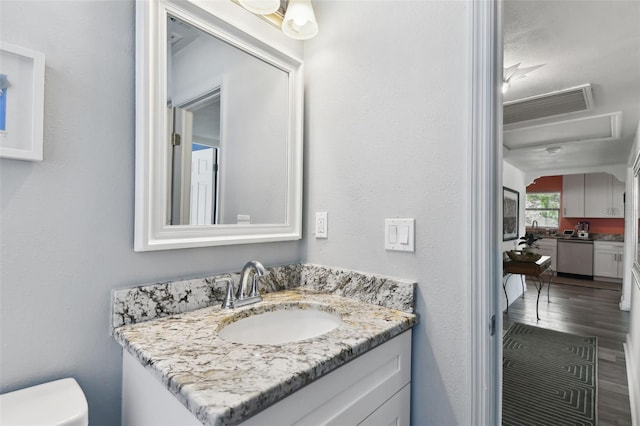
(543, 208)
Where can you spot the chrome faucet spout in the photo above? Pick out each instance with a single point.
(242, 298)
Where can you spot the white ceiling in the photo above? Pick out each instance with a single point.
(580, 42)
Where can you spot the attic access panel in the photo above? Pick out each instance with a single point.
(598, 128)
(575, 99)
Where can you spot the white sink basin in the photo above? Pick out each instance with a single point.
(280, 326)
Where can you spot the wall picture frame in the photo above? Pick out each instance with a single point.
(635, 200)
(21, 102)
(510, 213)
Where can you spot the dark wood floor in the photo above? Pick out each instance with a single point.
(589, 312)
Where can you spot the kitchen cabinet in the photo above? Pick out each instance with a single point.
(603, 196)
(548, 247)
(618, 190)
(608, 259)
(573, 195)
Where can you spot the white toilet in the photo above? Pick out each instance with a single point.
(57, 403)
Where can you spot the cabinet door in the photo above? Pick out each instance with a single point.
(573, 195)
(549, 247)
(597, 195)
(617, 197)
(605, 263)
(393, 412)
(620, 264)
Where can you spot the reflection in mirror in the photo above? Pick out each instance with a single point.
(227, 116)
(195, 141)
(218, 130)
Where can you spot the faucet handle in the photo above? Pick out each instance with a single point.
(228, 302)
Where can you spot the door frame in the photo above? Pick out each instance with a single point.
(486, 211)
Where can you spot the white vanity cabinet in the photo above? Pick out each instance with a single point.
(604, 196)
(608, 260)
(573, 195)
(548, 247)
(372, 389)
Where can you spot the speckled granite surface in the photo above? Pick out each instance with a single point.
(369, 288)
(593, 236)
(143, 303)
(607, 237)
(224, 383)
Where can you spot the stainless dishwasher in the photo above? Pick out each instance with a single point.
(575, 256)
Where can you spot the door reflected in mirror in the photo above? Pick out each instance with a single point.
(228, 132)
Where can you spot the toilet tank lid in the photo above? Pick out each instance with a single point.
(59, 403)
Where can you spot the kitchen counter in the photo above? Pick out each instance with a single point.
(224, 383)
(592, 237)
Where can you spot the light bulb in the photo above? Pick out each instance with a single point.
(299, 20)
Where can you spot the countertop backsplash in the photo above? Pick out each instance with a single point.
(147, 302)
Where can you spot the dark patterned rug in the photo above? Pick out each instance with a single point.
(549, 377)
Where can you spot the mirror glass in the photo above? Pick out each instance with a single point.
(218, 131)
(227, 112)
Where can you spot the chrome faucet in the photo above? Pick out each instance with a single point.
(241, 297)
(534, 224)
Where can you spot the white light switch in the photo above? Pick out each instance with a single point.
(399, 234)
(393, 234)
(321, 225)
(403, 234)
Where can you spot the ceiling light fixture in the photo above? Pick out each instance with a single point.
(299, 20)
(514, 72)
(261, 7)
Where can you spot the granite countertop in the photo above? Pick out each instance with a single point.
(225, 383)
(592, 237)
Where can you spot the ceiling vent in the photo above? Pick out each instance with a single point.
(576, 99)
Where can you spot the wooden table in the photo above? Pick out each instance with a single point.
(534, 270)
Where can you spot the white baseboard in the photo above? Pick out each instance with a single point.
(624, 306)
(634, 385)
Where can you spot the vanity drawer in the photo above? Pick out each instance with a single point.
(365, 384)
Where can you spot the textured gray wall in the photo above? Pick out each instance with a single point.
(67, 222)
(387, 125)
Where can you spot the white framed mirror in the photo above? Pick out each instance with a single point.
(218, 132)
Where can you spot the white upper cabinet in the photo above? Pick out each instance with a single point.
(617, 197)
(597, 195)
(573, 195)
(604, 196)
(592, 195)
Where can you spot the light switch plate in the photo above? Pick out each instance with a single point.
(322, 230)
(399, 234)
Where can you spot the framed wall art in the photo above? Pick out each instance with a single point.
(21, 102)
(510, 213)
